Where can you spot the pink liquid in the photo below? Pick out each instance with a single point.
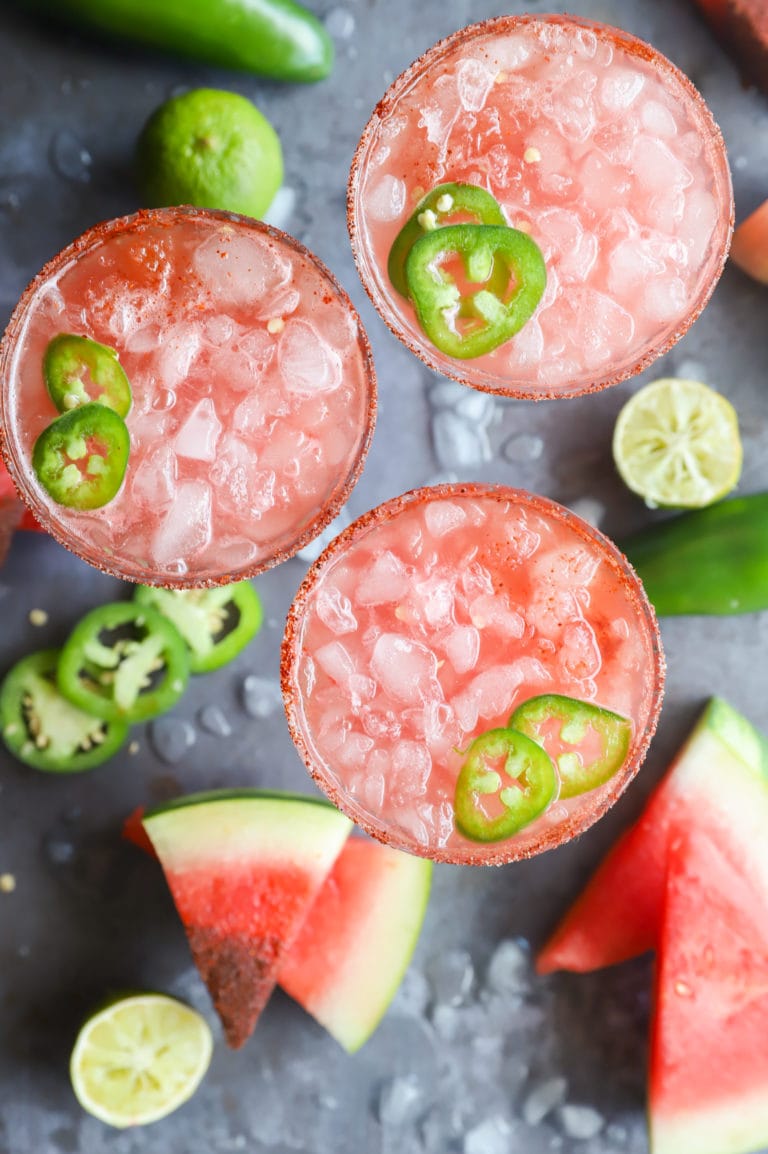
(253, 393)
(426, 623)
(594, 144)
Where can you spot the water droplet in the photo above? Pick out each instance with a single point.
(261, 697)
(171, 738)
(522, 447)
(59, 849)
(340, 23)
(70, 158)
(214, 720)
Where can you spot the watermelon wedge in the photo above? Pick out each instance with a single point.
(708, 1090)
(742, 27)
(618, 915)
(244, 869)
(749, 249)
(354, 948)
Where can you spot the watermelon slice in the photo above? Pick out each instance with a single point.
(350, 956)
(244, 869)
(708, 1089)
(749, 249)
(742, 27)
(618, 915)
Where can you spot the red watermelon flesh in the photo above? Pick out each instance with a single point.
(708, 1090)
(244, 870)
(350, 956)
(618, 915)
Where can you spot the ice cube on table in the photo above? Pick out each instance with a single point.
(402, 1100)
(185, 529)
(543, 1098)
(509, 969)
(240, 268)
(459, 444)
(452, 977)
(491, 1136)
(405, 669)
(198, 436)
(261, 696)
(307, 364)
(580, 1122)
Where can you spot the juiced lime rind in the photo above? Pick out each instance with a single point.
(121, 1034)
(676, 444)
(212, 149)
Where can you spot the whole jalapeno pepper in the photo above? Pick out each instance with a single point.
(505, 783)
(43, 729)
(277, 38)
(215, 623)
(587, 743)
(125, 662)
(470, 323)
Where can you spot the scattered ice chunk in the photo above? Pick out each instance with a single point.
(509, 970)
(620, 88)
(307, 364)
(386, 200)
(458, 444)
(446, 394)
(474, 80)
(384, 581)
(543, 1098)
(462, 648)
(340, 23)
(452, 977)
(590, 510)
(70, 158)
(443, 517)
(492, 1136)
(522, 447)
(171, 737)
(402, 1100)
(580, 1122)
(413, 995)
(198, 436)
(335, 610)
(313, 550)
(476, 406)
(214, 720)
(186, 528)
(241, 268)
(282, 207)
(405, 669)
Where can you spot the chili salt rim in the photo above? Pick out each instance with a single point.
(136, 223)
(461, 370)
(549, 837)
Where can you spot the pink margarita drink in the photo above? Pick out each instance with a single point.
(593, 144)
(253, 393)
(427, 624)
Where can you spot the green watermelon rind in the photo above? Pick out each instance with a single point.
(738, 734)
(242, 793)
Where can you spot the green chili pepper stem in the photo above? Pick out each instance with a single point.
(711, 561)
(277, 38)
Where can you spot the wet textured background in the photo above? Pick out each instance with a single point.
(476, 1056)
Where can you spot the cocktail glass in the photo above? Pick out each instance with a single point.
(593, 143)
(432, 617)
(254, 394)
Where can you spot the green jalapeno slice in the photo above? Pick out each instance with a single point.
(505, 783)
(43, 729)
(78, 370)
(587, 743)
(444, 205)
(215, 623)
(81, 458)
(124, 661)
(462, 320)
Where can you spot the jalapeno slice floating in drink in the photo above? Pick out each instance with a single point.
(78, 370)
(506, 782)
(444, 265)
(124, 661)
(81, 458)
(587, 743)
(444, 205)
(215, 623)
(43, 729)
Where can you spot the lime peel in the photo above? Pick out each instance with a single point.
(676, 444)
(139, 1058)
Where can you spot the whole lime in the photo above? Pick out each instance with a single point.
(212, 149)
